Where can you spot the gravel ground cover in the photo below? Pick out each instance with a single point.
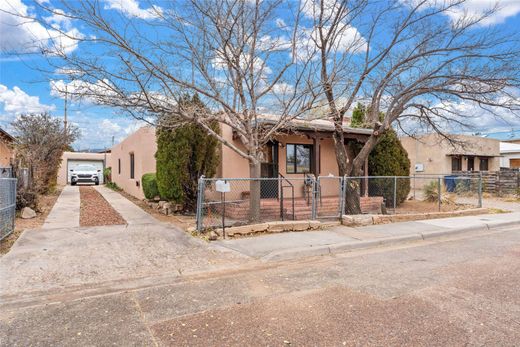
(95, 210)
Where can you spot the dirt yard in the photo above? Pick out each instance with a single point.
(417, 206)
(45, 204)
(95, 210)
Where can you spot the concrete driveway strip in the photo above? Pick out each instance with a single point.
(132, 213)
(65, 213)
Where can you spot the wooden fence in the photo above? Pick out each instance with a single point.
(503, 182)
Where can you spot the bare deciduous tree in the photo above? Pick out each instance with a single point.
(231, 53)
(408, 60)
(40, 142)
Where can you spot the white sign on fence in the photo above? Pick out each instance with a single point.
(222, 186)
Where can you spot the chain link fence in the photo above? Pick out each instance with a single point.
(227, 202)
(415, 194)
(6, 172)
(7, 206)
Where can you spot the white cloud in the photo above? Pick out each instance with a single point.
(131, 8)
(15, 101)
(476, 8)
(59, 19)
(81, 90)
(349, 39)
(282, 88)
(26, 35)
(109, 126)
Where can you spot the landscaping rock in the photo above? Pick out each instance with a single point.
(247, 229)
(167, 205)
(357, 220)
(161, 203)
(157, 198)
(363, 220)
(212, 236)
(281, 226)
(300, 225)
(28, 213)
(314, 224)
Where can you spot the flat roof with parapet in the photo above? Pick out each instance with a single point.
(316, 125)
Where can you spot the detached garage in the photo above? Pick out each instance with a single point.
(70, 160)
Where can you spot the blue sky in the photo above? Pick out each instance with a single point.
(23, 89)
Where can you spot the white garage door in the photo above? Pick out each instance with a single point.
(71, 165)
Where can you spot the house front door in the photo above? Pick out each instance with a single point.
(269, 169)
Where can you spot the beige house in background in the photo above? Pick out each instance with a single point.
(301, 148)
(6, 151)
(69, 160)
(432, 154)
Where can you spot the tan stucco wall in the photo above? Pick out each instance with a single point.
(142, 143)
(434, 152)
(235, 166)
(6, 154)
(62, 171)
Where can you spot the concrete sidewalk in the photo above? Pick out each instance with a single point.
(341, 238)
(65, 212)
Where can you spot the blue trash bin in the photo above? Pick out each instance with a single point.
(450, 183)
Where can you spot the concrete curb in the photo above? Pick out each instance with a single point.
(350, 246)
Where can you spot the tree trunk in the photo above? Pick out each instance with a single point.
(254, 191)
(341, 152)
(352, 203)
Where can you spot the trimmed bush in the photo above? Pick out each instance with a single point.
(389, 158)
(149, 182)
(183, 155)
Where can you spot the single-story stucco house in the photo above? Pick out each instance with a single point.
(432, 154)
(510, 155)
(70, 160)
(301, 147)
(6, 150)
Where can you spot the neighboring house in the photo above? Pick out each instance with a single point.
(6, 150)
(512, 136)
(510, 153)
(432, 154)
(301, 148)
(132, 158)
(70, 160)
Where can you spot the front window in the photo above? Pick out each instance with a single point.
(132, 166)
(484, 164)
(298, 158)
(456, 164)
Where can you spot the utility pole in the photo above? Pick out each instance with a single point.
(65, 113)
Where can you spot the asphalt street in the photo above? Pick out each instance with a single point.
(450, 292)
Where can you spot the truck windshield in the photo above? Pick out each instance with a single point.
(85, 168)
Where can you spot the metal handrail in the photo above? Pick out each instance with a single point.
(283, 178)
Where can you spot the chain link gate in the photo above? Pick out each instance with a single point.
(330, 197)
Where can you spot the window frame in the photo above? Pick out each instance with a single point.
(119, 166)
(459, 160)
(295, 164)
(485, 160)
(132, 165)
